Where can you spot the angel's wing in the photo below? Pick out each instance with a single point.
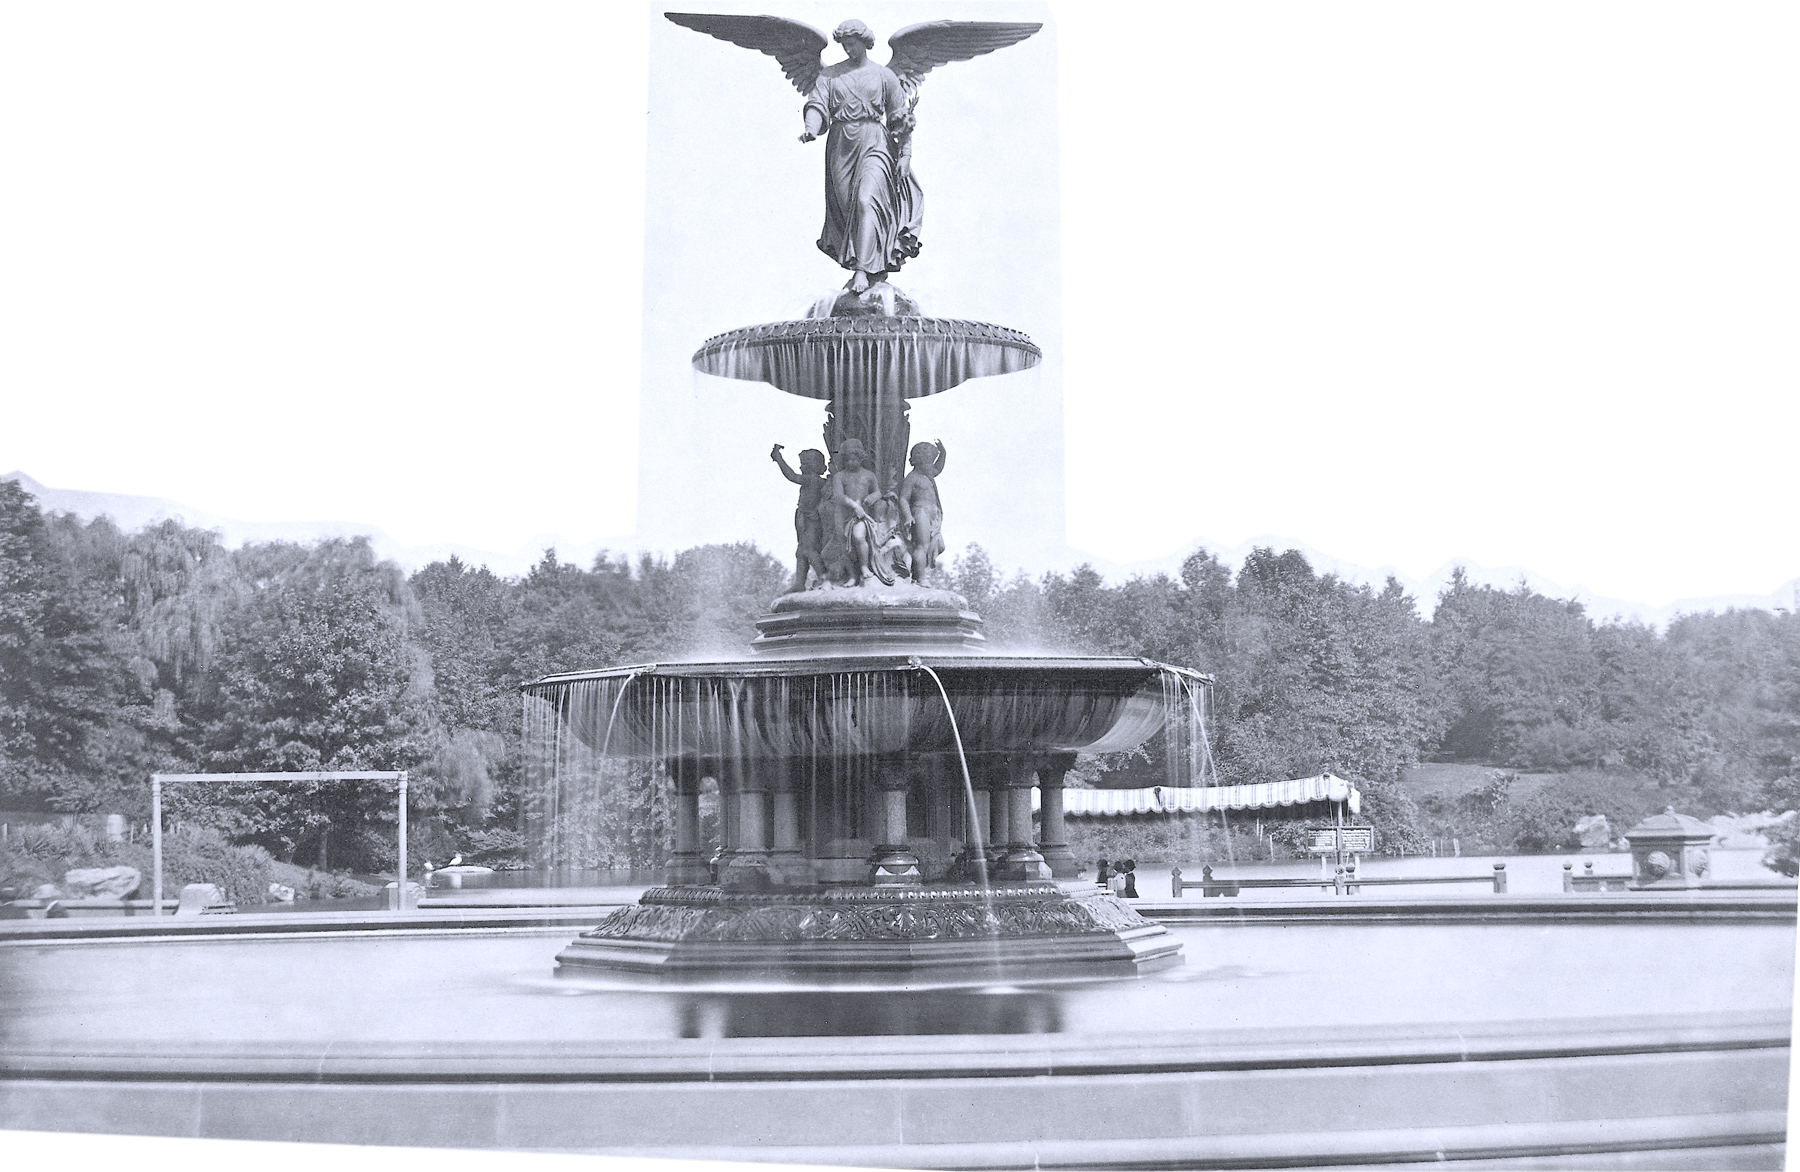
(795, 44)
(920, 48)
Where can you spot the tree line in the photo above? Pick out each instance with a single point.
(161, 650)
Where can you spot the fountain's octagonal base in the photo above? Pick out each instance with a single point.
(866, 620)
(959, 933)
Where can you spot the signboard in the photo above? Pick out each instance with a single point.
(1355, 840)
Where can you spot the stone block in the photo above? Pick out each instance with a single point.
(1669, 850)
(203, 899)
(102, 882)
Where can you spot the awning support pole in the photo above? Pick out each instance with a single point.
(156, 886)
(400, 904)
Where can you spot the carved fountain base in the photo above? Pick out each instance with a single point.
(961, 932)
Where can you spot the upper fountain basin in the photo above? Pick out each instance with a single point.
(825, 358)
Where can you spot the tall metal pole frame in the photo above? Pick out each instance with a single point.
(156, 784)
(400, 876)
(1338, 809)
(156, 842)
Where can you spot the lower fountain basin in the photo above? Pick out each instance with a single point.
(1492, 1042)
(1022, 931)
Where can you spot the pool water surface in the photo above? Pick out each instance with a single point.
(439, 988)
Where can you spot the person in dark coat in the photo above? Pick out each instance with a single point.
(1129, 869)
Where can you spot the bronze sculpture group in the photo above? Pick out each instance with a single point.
(847, 530)
(864, 110)
(849, 527)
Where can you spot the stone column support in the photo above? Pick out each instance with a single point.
(1021, 860)
(752, 815)
(982, 813)
(788, 864)
(688, 864)
(894, 864)
(747, 859)
(1053, 841)
(1019, 798)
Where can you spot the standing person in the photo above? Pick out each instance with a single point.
(1128, 869)
(1104, 878)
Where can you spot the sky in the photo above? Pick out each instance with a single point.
(1405, 282)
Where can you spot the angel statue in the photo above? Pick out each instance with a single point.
(873, 205)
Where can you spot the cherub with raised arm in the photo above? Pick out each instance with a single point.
(809, 527)
(920, 509)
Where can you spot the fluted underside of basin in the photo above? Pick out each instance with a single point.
(902, 357)
(828, 707)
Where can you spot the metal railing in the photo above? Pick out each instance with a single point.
(1345, 882)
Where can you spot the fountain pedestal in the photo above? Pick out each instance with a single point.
(963, 932)
(869, 745)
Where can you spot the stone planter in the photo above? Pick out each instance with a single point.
(1669, 850)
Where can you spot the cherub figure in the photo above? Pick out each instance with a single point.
(887, 553)
(853, 489)
(809, 527)
(921, 510)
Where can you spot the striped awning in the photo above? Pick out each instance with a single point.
(1161, 799)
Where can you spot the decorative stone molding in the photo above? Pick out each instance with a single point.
(892, 918)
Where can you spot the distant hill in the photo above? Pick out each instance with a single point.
(134, 512)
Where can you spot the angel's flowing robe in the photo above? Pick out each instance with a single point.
(873, 205)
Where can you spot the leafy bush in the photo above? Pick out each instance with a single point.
(499, 848)
(1160, 839)
(35, 855)
(1783, 855)
(196, 854)
(191, 854)
(311, 884)
(1545, 821)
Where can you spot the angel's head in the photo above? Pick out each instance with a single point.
(854, 32)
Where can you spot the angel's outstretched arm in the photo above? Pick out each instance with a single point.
(817, 120)
(943, 455)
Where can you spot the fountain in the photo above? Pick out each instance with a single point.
(874, 761)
